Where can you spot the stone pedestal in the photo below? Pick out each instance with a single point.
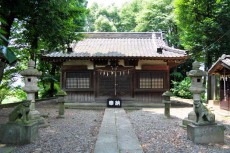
(190, 119)
(14, 133)
(206, 134)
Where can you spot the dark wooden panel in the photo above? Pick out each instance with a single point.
(80, 97)
(149, 97)
(106, 85)
(155, 67)
(74, 67)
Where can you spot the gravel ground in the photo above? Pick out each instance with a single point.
(76, 133)
(161, 135)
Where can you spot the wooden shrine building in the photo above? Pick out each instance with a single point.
(222, 68)
(131, 66)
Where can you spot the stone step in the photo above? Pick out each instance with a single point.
(104, 105)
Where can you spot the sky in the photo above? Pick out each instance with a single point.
(107, 2)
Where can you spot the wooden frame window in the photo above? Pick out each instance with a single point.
(78, 80)
(151, 80)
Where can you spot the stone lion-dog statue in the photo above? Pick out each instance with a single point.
(203, 114)
(21, 113)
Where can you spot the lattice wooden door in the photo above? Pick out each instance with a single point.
(109, 86)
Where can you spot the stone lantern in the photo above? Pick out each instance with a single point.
(31, 77)
(166, 100)
(201, 126)
(197, 84)
(196, 88)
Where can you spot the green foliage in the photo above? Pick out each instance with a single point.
(102, 24)
(4, 90)
(181, 89)
(61, 93)
(18, 93)
(50, 79)
(176, 75)
(5, 52)
(11, 94)
(45, 91)
(128, 15)
(204, 28)
(55, 23)
(34, 25)
(2, 32)
(138, 16)
(103, 19)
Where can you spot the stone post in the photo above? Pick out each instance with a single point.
(61, 103)
(166, 100)
(30, 77)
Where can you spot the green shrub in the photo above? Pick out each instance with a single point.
(11, 95)
(3, 94)
(181, 89)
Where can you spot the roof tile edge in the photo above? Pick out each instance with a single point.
(120, 35)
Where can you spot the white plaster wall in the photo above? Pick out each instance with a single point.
(80, 62)
(149, 62)
(121, 62)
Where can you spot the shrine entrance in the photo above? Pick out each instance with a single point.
(114, 82)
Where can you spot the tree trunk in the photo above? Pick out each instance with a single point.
(209, 81)
(2, 67)
(52, 73)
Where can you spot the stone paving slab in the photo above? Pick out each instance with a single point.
(116, 134)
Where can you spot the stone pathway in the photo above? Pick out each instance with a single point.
(116, 134)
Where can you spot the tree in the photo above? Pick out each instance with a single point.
(50, 23)
(55, 29)
(104, 19)
(54, 23)
(8, 12)
(202, 25)
(158, 16)
(128, 15)
(102, 24)
(92, 15)
(204, 29)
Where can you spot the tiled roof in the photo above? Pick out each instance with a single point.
(121, 45)
(222, 62)
(227, 61)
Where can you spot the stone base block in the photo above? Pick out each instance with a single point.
(206, 133)
(186, 121)
(13, 133)
(61, 116)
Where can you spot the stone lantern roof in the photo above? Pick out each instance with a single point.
(196, 72)
(31, 71)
